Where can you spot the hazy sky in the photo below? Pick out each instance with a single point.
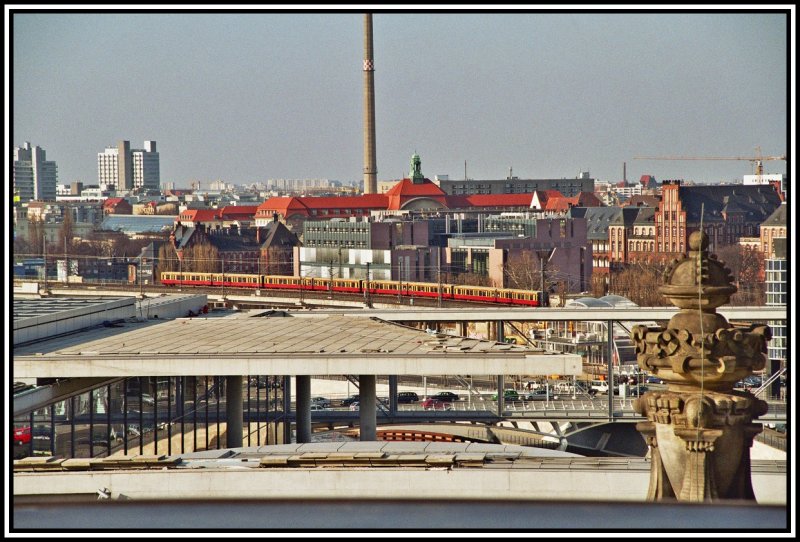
(245, 97)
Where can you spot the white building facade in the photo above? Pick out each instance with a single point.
(123, 168)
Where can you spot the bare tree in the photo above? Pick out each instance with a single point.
(36, 237)
(202, 257)
(167, 259)
(639, 282)
(471, 279)
(746, 264)
(66, 233)
(523, 270)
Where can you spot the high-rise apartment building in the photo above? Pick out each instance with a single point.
(124, 168)
(35, 178)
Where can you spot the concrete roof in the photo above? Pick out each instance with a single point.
(299, 345)
(370, 469)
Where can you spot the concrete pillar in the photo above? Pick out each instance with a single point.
(233, 410)
(367, 418)
(462, 328)
(287, 406)
(303, 408)
(392, 395)
(501, 403)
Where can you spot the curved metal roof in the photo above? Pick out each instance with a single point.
(588, 302)
(618, 301)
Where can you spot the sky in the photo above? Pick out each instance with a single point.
(249, 96)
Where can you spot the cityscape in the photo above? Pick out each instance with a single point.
(349, 335)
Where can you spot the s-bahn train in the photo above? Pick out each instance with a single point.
(503, 296)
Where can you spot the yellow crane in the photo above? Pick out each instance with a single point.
(758, 160)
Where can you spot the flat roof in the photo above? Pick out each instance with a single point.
(529, 314)
(49, 309)
(302, 344)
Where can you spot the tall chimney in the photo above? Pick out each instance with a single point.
(370, 166)
(624, 173)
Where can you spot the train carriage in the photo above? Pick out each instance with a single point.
(355, 286)
(428, 289)
(475, 293)
(352, 286)
(240, 280)
(281, 282)
(381, 287)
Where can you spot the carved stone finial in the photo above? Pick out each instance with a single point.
(700, 428)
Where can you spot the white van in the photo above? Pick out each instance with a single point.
(598, 386)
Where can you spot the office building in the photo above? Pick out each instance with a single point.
(515, 185)
(123, 168)
(35, 177)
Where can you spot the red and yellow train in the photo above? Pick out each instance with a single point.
(505, 296)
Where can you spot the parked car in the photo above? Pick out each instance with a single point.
(320, 402)
(637, 391)
(508, 395)
(350, 400)
(446, 396)
(316, 406)
(749, 382)
(21, 435)
(432, 403)
(407, 397)
(266, 382)
(541, 395)
(355, 406)
(654, 380)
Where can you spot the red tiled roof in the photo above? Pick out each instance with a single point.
(199, 215)
(557, 204)
(547, 194)
(240, 210)
(407, 188)
(111, 202)
(366, 201)
(280, 203)
(497, 200)
(583, 199)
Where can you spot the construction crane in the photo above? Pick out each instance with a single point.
(758, 159)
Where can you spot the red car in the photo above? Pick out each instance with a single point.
(432, 403)
(21, 435)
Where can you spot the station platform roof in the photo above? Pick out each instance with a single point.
(301, 344)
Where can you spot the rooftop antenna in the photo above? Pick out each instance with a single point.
(465, 170)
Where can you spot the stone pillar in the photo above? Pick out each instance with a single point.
(234, 411)
(700, 430)
(366, 407)
(303, 408)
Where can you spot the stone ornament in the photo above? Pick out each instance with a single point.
(700, 429)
